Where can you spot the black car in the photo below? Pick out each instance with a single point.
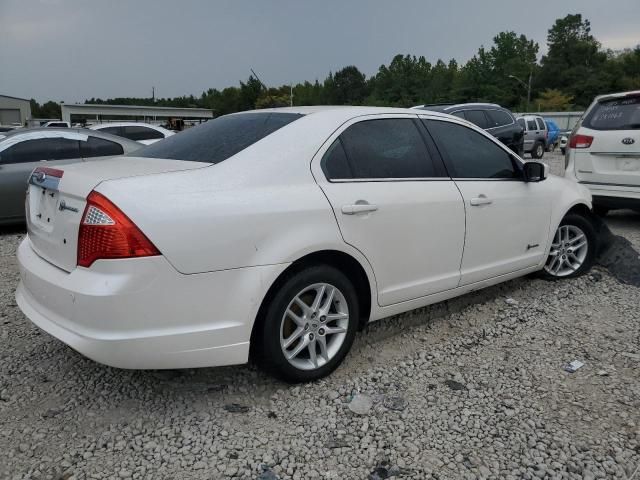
(496, 120)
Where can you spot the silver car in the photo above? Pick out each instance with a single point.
(22, 150)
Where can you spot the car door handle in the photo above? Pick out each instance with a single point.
(480, 200)
(358, 208)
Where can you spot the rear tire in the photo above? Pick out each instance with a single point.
(563, 150)
(538, 150)
(299, 343)
(573, 248)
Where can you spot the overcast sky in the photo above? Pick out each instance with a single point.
(71, 50)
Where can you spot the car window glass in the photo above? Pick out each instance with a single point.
(99, 147)
(498, 118)
(531, 125)
(41, 149)
(541, 125)
(471, 154)
(112, 130)
(477, 117)
(459, 114)
(387, 148)
(336, 165)
(521, 122)
(141, 133)
(615, 114)
(219, 139)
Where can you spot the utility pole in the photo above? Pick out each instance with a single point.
(258, 78)
(153, 94)
(525, 85)
(291, 94)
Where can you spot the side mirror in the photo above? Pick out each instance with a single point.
(534, 171)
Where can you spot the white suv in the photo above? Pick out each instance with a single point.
(604, 151)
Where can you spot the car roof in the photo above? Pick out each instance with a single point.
(96, 133)
(444, 107)
(345, 111)
(98, 126)
(611, 96)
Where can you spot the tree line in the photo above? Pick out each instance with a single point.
(575, 69)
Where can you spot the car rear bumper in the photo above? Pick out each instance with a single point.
(143, 314)
(614, 196)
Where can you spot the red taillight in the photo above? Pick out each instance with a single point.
(51, 172)
(580, 141)
(106, 232)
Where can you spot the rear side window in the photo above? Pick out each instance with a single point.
(459, 114)
(99, 147)
(498, 118)
(477, 117)
(219, 139)
(41, 149)
(112, 130)
(541, 125)
(138, 133)
(375, 149)
(618, 114)
(531, 125)
(469, 153)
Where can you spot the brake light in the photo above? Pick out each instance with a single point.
(580, 141)
(106, 232)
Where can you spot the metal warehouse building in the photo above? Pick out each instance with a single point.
(14, 110)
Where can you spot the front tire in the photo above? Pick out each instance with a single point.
(573, 248)
(538, 150)
(309, 325)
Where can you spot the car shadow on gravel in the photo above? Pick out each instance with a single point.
(619, 257)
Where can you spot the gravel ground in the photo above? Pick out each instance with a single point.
(471, 388)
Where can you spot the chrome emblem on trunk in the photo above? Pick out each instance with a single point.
(628, 141)
(39, 177)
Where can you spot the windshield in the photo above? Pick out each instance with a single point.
(219, 139)
(615, 114)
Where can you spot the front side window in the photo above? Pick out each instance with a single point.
(375, 149)
(469, 153)
(41, 149)
(138, 133)
(219, 139)
(99, 147)
(498, 118)
(477, 117)
(531, 125)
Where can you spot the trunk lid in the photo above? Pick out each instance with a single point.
(56, 199)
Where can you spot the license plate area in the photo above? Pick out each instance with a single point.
(43, 206)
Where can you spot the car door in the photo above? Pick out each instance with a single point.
(531, 134)
(20, 157)
(507, 219)
(394, 203)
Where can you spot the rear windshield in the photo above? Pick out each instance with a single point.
(219, 139)
(616, 114)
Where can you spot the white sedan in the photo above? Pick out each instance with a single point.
(144, 133)
(276, 234)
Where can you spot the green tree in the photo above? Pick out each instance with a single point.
(574, 63)
(553, 100)
(349, 86)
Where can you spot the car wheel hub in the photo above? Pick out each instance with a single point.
(568, 251)
(307, 343)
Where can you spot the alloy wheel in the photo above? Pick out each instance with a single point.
(314, 326)
(568, 251)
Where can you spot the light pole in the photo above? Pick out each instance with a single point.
(527, 86)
